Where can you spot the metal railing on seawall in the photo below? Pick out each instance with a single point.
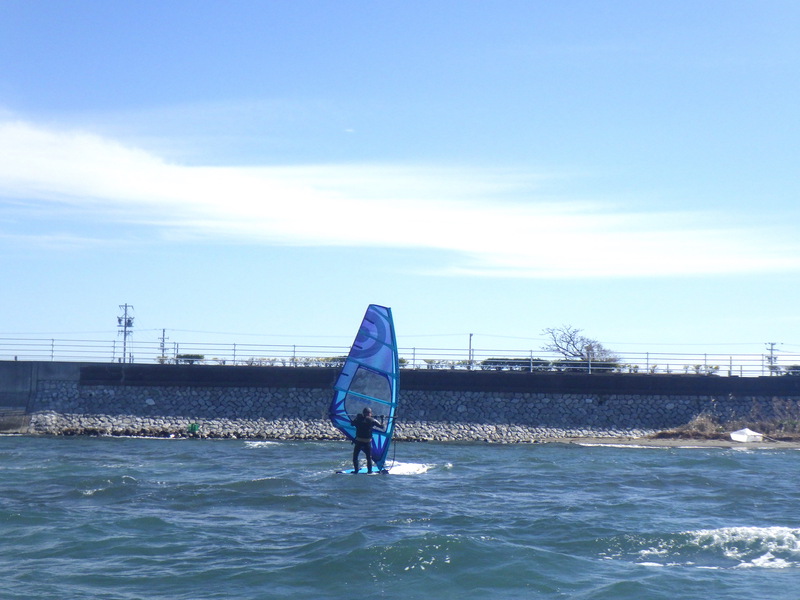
(78, 350)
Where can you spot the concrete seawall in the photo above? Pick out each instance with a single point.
(291, 403)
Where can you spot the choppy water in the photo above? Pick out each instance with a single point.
(194, 519)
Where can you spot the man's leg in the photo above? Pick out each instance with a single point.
(356, 450)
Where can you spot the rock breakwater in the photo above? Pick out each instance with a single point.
(52, 423)
(291, 403)
(67, 408)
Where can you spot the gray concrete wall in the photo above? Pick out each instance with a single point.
(16, 380)
(19, 380)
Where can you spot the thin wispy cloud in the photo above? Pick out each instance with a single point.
(488, 221)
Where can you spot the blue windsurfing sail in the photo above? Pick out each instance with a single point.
(369, 378)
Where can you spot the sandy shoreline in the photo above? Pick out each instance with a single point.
(677, 443)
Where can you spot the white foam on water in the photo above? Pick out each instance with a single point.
(260, 444)
(646, 446)
(753, 547)
(616, 445)
(715, 549)
(399, 468)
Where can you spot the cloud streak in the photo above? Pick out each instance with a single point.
(488, 222)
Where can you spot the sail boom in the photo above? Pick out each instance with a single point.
(370, 398)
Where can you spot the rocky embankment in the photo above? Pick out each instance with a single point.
(292, 403)
(54, 423)
(62, 407)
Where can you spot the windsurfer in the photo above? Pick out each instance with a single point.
(364, 424)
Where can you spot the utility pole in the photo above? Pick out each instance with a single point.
(164, 339)
(771, 358)
(125, 325)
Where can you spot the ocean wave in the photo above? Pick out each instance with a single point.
(722, 548)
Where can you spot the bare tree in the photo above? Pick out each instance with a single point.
(569, 342)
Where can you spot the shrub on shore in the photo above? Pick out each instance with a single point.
(783, 424)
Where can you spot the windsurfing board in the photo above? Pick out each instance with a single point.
(363, 471)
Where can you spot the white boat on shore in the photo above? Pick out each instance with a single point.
(746, 435)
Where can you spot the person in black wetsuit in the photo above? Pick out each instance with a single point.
(364, 424)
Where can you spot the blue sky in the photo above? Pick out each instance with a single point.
(261, 171)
